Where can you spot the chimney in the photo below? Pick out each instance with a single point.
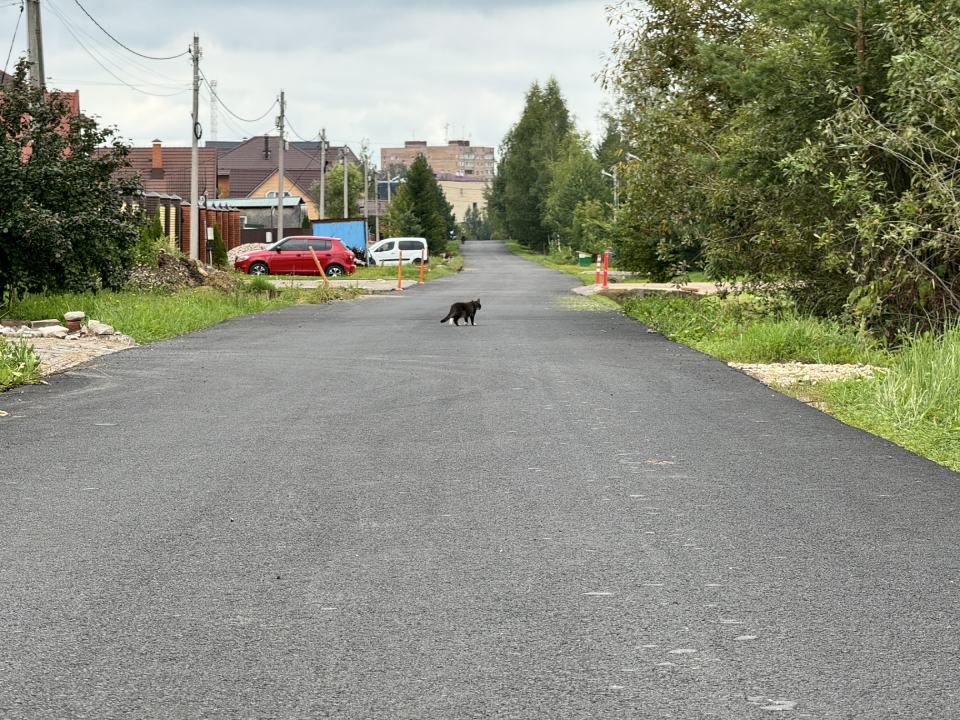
(156, 171)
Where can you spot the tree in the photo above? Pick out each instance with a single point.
(333, 197)
(218, 249)
(152, 241)
(519, 191)
(574, 179)
(62, 219)
(420, 199)
(475, 224)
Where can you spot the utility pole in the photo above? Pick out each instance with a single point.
(366, 215)
(280, 171)
(323, 171)
(38, 78)
(195, 156)
(346, 196)
(376, 199)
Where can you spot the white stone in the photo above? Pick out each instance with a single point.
(98, 328)
(73, 316)
(53, 331)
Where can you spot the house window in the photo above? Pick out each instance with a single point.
(468, 172)
(474, 206)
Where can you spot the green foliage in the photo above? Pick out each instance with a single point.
(743, 328)
(62, 222)
(421, 210)
(259, 284)
(575, 179)
(218, 249)
(806, 145)
(152, 241)
(517, 203)
(305, 223)
(333, 193)
(476, 226)
(19, 363)
(151, 316)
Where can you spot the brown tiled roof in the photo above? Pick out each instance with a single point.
(248, 165)
(176, 171)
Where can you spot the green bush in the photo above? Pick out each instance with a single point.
(258, 283)
(218, 249)
(152, 241)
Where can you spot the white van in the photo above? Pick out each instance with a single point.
(387, 252)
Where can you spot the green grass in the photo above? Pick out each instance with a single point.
(554, 261)
(152, 316)
(743, 329)
(19, 364)
(916, 405)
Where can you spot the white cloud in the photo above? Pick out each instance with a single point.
(385, 71)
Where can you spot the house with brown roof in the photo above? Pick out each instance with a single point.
(166, 170)
(250, 170)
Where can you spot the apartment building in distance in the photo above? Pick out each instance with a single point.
(457, 157)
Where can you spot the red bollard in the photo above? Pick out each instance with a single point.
(597, 281)
(606, 262)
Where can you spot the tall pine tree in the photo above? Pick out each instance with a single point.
(517, 203)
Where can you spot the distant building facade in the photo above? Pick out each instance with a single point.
(457, 157)
(463, 192)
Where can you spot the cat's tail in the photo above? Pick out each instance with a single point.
(449, 315)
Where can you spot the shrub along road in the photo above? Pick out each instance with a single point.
(354, 511)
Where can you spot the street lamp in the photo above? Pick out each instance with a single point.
(616, 188)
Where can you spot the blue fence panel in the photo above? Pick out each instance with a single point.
(349, 232)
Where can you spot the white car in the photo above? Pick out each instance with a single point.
(387, 252)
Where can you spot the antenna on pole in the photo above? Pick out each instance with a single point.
(213, 109)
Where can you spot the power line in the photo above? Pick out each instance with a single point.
(57, 12)
(148, 57)
(121, 62)
(214, 93)
(13, 39)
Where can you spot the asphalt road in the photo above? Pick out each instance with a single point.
(355, 511)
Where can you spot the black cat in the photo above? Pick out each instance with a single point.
(462, 311)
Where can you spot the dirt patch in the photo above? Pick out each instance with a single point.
(176, 273)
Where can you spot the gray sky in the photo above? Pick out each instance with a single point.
(386, 71)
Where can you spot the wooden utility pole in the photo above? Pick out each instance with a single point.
(38, 78)
(366, 215)
(280, 171)
(346, 196)
(195, 156)
(323, 171)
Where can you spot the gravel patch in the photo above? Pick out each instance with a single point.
(793, 373)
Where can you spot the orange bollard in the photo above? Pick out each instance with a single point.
(597, 281)
(422, 253)
(606, 261)
(319, 267)
(400, 272)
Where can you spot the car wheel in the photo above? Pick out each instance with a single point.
(416, 261)
(335, 271)
(259, 268)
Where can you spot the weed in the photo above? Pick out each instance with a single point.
(19, 363)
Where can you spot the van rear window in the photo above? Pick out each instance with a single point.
(411, 245)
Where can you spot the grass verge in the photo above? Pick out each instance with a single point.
(19, 364)
(151, 316)
(916, 404)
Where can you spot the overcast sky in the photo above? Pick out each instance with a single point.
(386, 71)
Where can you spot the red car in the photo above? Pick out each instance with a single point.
(291, 256)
